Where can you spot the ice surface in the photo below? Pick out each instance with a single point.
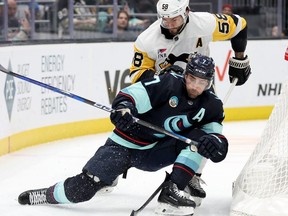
(44, 165)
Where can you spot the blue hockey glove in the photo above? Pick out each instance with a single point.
(173, 68)
(213, 147)
(122, 117)
(239, 68)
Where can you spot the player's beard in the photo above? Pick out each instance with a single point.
(175, 31)
(193, 93)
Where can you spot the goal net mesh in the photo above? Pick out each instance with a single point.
(262, 186)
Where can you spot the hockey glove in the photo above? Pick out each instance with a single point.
(173, 68)
(213, 147)
(122, 117)
(239, 68)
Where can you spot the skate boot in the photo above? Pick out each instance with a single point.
(195, 190)
(173, 201)
(33, 197)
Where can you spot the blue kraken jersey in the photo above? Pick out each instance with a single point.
(163, 101)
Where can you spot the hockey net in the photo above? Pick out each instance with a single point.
(262, 186)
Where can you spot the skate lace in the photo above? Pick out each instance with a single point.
(180, 193)
(196, 182)
(37, 197)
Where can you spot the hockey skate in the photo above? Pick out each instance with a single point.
(173, 201)
(108, 189)
(195, 190)
(33, 197)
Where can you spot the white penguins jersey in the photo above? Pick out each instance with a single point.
(152, 50)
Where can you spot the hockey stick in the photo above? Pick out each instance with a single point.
(135, 212)
(233, 84)
(103, 107)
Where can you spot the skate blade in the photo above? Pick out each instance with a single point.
(166, 209)
(105, 190)
(197, 200)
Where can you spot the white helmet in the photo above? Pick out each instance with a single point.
(172, 8)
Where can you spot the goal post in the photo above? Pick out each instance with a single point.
(262, 186)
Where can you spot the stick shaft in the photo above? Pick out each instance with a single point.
(135, 212)
(233, 84)
(103, 107)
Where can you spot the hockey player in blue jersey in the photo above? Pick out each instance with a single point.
(179, 103)
(166, 44)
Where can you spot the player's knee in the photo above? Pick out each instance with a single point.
(81, 187)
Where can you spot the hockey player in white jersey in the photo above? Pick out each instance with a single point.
(179, 32)
(166, 44)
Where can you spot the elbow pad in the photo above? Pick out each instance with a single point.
(147, 74)
(239, 42)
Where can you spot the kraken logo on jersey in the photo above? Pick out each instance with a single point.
(173, 101)
(177, 123)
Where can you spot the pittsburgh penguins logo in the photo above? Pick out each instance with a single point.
(171, 59)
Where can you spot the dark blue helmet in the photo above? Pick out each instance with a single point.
(200, 66)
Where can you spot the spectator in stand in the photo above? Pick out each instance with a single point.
(140, 23)
(122, 21)
(37, 12)
(227, 9)
(18, 28)
(276, 33)
(123, 31)
(85, 19)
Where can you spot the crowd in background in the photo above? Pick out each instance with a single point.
(123, 20)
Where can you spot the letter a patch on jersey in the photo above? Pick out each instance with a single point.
(199, 116)
(199, 43)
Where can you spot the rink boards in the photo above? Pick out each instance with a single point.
(31, 114)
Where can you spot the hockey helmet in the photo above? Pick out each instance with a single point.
(172, 8)
(201, 66)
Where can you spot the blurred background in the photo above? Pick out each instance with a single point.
(54, 21)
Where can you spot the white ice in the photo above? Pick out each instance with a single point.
(44, 165)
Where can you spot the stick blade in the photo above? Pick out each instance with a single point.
(133, 213)
(3, 69)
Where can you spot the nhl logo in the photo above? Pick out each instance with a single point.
(173, 102)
